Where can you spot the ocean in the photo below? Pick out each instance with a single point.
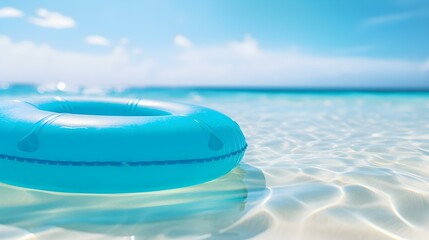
(319, 165)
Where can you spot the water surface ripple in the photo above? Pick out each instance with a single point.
(318, 166)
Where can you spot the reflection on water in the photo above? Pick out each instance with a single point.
(318, 166)
(211, 209)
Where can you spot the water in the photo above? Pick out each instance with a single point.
(319, 166)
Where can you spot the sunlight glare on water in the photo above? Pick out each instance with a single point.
(318, 166)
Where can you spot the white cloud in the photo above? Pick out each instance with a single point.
(247, 47)
(8, 12)
(124, 41)
(137, 51)
(182, 41)
(396, 17)
(425, 66)
(97, 40)
(52, 19)
(42, 64)
(223, 66)
(238, 63)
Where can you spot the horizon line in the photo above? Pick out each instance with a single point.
(388, 89)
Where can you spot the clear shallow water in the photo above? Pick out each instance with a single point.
(318, 166)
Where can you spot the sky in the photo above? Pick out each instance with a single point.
(250, 43)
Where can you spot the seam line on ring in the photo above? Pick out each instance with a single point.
(120, 164)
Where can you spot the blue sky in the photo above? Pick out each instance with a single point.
(367, 43)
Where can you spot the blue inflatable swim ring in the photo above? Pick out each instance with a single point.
(111, 145)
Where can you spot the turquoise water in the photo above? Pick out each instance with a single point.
(319, 165)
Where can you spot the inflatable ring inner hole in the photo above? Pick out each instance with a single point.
(132, 108)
